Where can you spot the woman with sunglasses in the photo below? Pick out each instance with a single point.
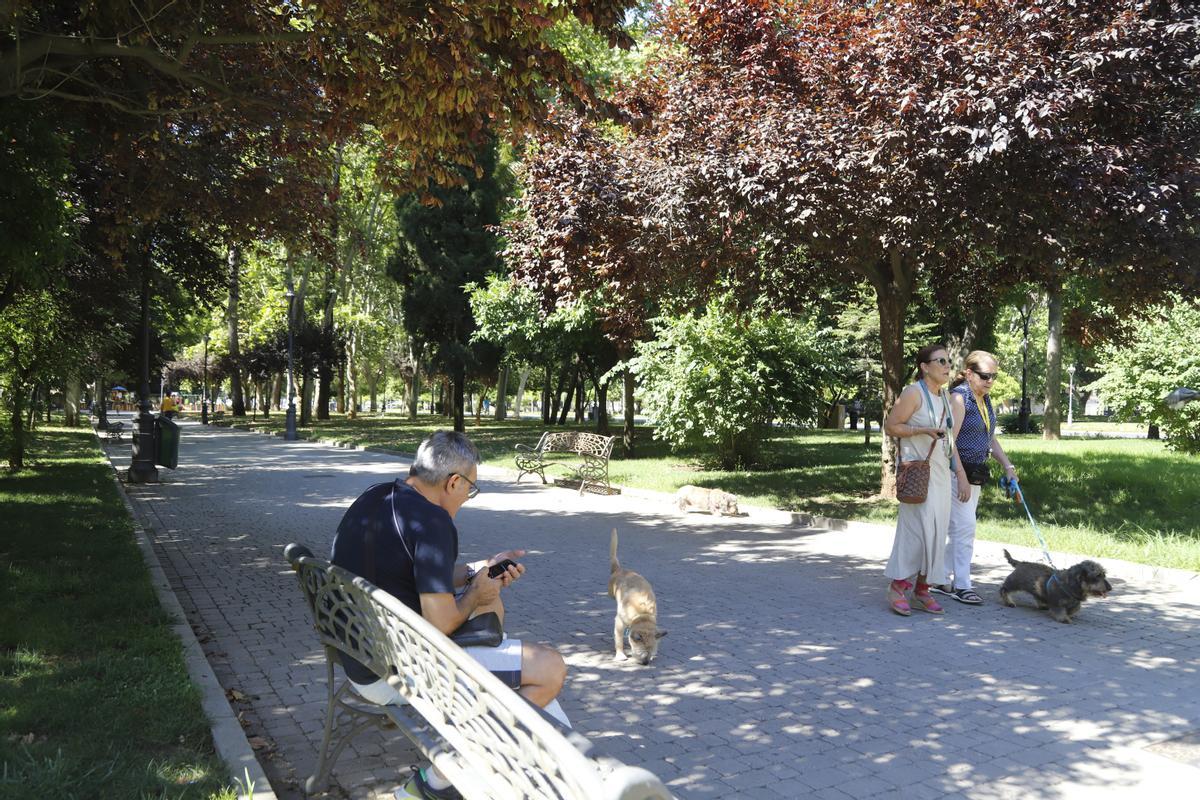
(922, 421)
(975, 438)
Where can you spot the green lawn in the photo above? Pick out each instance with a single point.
(95, 701)
(1119, 498)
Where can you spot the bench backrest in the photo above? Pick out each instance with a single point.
(592, 444)
(510, 748)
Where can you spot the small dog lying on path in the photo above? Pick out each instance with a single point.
(714, 501)
(637, 610)
(1061, 592)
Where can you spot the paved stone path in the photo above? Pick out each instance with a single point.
(783, 674)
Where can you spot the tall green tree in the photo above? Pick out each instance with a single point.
(448, 240)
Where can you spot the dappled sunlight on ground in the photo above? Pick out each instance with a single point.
(782, 665)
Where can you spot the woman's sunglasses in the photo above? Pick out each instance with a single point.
(945, 362)
(986, 376)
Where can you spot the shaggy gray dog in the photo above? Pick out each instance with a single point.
(1061, 592)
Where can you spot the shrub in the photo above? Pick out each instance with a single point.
(1011, 423)
(718, 379)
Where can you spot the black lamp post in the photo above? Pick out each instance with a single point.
(289, 431)
(204, 400)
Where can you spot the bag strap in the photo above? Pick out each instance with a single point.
(941, 421)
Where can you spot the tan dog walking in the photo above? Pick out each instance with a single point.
(637, 611)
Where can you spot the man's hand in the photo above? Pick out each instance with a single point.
(506, 578)
(484, 590)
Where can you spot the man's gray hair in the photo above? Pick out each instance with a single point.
(443, 454)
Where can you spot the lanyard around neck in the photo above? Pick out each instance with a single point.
(946, 420)
(987, 421)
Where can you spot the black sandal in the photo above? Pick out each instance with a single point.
(968, 596)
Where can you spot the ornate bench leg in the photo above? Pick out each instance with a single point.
(326, 758)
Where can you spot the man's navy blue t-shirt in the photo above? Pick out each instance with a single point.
(402, 543)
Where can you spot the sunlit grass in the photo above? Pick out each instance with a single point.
(1119, 498)
(95, 701)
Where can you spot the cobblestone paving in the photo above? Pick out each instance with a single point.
(783, 674)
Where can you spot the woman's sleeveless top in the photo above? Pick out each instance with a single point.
(974, 440)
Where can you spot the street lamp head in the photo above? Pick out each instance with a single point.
(1071, 368)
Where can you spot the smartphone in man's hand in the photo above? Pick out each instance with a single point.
(496, 570)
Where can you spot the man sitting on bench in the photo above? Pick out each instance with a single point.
(401, 537)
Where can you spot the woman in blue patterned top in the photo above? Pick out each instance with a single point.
(975, 422)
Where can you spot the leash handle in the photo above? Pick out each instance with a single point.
(1012, 487)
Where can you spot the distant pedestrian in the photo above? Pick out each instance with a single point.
(922, 420)
(975, 439)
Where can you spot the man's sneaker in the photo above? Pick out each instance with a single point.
(417, 787)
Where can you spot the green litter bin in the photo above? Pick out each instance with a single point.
(166, 442)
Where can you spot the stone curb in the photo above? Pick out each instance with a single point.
(229, 739)
(1129, 570)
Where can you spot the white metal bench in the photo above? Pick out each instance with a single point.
(484, 737)
(592, 448)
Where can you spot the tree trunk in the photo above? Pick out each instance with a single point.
(72, 394)
(566, 406)
(1052, 417)
(100, 404)
(238, 396)
(276, 389)
(264, 395)
(414, 388)
(16, 444)
(350, 382)
(502, 394)
(547, 411)
(580, 398)
(305, 397)
(627, 402)
(520, 398)
(1152, 432)
(479, 405)
(556, 400)
(602, 409)
(373, 389)
(456, 401)
(892, 278)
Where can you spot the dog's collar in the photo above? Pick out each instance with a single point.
(1054, 577)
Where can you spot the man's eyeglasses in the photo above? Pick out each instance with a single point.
(986, 376)
(945, 362)
(474, 490)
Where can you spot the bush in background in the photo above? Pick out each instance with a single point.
(716, 380)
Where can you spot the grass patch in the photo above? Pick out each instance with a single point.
(95, 701)
(1118, 498)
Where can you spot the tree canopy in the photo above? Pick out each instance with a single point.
(780, 147)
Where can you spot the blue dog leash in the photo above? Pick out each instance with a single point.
(1012, 489)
